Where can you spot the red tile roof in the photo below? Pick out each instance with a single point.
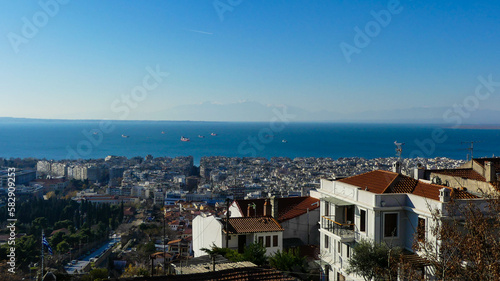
(384, 182)
(288, 208)
(494, 161)
(468, 173)
(376, 181)
(253, 224)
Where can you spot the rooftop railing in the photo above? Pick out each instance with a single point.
(343, 230)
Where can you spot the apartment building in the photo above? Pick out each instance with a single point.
(379, 206)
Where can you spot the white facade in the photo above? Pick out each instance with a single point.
(350, 213)
(208, 231)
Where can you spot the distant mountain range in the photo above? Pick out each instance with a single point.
(258, 112)
(254, 111)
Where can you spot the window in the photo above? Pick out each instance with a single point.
(327, 242)
(390, 225)
(261, 240)
(348, 250)
(327, 209)
(275, 240)
(362, 218)
(421, 229)
(339, 249)
(268, 241)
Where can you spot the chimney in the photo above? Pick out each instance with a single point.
(444, 195)
(396, 167)
(274, 207)
(419, 172)
(489, 171)
(267, 208)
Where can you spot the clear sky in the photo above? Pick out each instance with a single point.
(83, 56)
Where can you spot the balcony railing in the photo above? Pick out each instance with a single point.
(343, 230)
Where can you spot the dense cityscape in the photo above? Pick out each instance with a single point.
(149, 198)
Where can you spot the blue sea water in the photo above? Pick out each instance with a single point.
(53, 139)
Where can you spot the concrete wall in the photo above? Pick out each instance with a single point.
(207, 231)
(302, 226)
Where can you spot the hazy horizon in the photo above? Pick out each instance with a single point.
(240, 60)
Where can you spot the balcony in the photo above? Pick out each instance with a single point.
(345, 231)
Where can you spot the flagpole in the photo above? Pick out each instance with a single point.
(42, 253)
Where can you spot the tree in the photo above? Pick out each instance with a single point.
(255, 253)
(371, 260)
(229, 254)
(62, 247)
(97, 274)
(290, 260)
(133, 271)
(468, 243)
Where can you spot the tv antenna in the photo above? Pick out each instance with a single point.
(399, 149)
(470, 148)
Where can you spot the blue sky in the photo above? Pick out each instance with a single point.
(90, 53)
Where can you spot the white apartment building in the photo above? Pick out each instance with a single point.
(380, 206)
(210, 230)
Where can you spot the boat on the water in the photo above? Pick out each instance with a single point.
(201, 137)
(185, 139)
(125, 136)
(213, 134)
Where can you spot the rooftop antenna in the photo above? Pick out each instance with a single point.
(399, 149)
(470, 148)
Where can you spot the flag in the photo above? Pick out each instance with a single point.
(46, 244)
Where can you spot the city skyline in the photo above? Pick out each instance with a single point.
(325, 62)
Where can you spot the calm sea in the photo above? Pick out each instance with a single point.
(72, 139)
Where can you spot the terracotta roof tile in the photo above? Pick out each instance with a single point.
(300, 208)
(253, 224)
(376, 181)
(495, 161)
(288, 208)
(388, 182)
(468, 173)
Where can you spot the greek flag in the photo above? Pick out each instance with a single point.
(46, 244)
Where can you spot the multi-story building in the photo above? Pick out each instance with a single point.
(22, 177)
(297, 215)
(379, 206)
(210, 230)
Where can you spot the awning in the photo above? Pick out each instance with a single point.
(337, 201)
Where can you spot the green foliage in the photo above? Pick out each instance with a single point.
(290, 260)
(229, 254)
(371, 260)
(132, 271)
(62, 247)
(64, 223)
(255, 253)
(57, 238)
(148, 248)
(97, 274)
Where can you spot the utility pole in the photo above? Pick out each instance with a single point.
(164, 257)
(42, 253)
(227, 222)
